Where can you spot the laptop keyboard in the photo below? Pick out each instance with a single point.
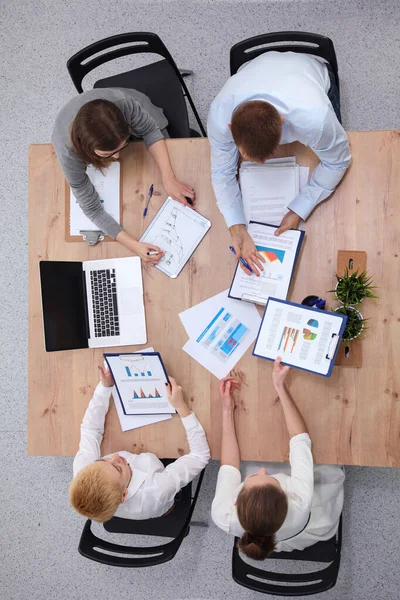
(105, 306)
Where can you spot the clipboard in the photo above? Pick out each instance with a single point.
(131, 358)
(334, 342)
(178, 230)
(251, 298)
(79, 238)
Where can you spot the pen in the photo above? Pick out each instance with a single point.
(189, 200)
(244, 263)
(149, 195)
(152, 253)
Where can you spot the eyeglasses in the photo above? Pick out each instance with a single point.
(130, 139)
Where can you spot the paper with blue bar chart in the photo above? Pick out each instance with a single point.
(107, 185)
(306, 338)
(220, 331)
(140, 382)
(280, 255)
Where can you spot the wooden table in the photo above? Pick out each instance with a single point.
(353, 417)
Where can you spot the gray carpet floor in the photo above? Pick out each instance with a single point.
(39, 531)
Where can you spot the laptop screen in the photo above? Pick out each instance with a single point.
(64, 305)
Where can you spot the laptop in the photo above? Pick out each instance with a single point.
(92, 304)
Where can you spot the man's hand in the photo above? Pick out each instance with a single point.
(226, 388)
(176, 399)
(245, 248)
(290, 221)
(279, 374)
(179, 191)
(106, 378)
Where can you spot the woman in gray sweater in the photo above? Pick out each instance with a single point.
(93, 128)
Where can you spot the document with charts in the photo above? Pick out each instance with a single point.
(306, 338)
(220, 330)
(107, 186)
(280, 254)
(178, 230)
(140, 380)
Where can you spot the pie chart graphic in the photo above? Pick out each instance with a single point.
(309, 335)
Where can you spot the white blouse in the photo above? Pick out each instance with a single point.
(152, 489)
(314, 494)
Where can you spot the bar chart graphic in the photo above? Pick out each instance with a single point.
(141, 394)
(136, 372)
(271, 255)
(288, 339)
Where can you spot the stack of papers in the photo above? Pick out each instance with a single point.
(107, 186)
(268, 189)
(220, 331)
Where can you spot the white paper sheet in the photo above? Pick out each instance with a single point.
(107, 186)
(177, 230)
(268, 189)
(303, 337)
(129, 422)
(220, 330)
(280, 254)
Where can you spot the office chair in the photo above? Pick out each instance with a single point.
(284, 41)
(175, 524)
(161, 81)
(308, 583)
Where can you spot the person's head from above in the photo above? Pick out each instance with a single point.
(256, 129)
(99, 488)
(261, 508)
(99, 132)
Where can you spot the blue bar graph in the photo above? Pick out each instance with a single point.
(128, 372)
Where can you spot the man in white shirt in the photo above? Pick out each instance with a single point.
(277, 98)
(131, 486)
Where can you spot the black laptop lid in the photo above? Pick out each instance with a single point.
(64, 305)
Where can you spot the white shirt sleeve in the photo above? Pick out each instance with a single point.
(302, 470)
(183, 470)
(333, 150)
(224, 163)
(223, 511)
(92, 428)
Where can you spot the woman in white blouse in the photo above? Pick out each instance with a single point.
(279, 507)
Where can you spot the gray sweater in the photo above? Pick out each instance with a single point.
(146, 121)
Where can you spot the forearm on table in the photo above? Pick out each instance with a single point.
(127, 240)
(159, 152)
(294, 421)
(230, 453)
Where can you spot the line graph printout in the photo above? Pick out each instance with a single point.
(178, 230)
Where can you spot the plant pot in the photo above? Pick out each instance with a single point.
(359, 316)
(341, 301)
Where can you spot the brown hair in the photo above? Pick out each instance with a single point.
(93, 495)
(256, 129)
(98, 125)
(261, 512)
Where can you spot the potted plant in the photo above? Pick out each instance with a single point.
(351, 289)
(355, 322)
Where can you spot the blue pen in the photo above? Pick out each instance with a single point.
(149, 195)
(244, 263)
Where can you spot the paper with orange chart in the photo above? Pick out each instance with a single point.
(280, 255)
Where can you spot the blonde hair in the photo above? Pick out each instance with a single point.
(93, 494)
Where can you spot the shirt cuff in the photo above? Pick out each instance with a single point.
(190, 422)
(232, 470)
(113, 230)
(153, 137)
(300, 437)
(301, 206)
(234, 216)
(103, 391)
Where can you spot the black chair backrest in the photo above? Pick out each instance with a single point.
(284, 584)
(104, 552)
(284, 41)
(143, 42)
(152, 80)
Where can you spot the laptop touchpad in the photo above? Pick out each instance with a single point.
(130, 301)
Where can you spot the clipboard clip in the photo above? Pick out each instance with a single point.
(335, 339)
(92, 237)
(131, 357)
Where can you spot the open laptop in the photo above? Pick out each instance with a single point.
(92, 304)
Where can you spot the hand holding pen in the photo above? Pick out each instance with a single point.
(242, 245)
